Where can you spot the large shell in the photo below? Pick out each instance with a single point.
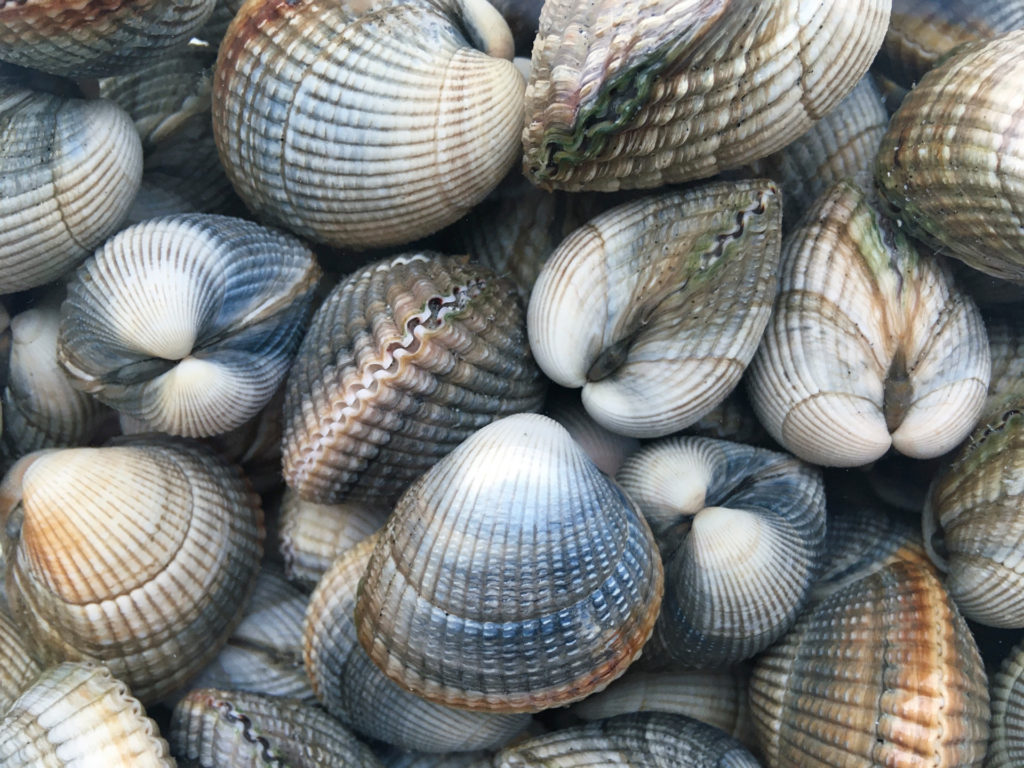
(870, 345)
(1006, 747)
(69, 170)
(882, 672)
(512, 576)
(403, 361)
(952, 160)
(659, 91)
(741, 531)
(366, 124)
(656, 306)
(359, 694)
(137, 556)
(77, 714)
(188, 323)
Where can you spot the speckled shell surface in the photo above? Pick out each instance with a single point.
(660, 91)
(655, 307)
(404, 360)
(188, 323)
(870, 345)
(513, 576)
(366, 124)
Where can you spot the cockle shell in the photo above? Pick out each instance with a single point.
(188, 323)
(1006, 746)
(660, 91)
(69, 169)
(951, 164)
(870, 345)
(95, 38)
(358, 693)
(139, 556)
(77, 714)
(512, 576)
(1005, 330)
(366, 124)
(741, 531)
(403, 360)
(656, 306)
(605, 448)
(19, 668)
(884, 672)
(235, 729)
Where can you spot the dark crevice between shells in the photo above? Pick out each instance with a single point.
(898, 393)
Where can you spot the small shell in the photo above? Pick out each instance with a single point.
(642, 94)
(18, 669)
(870, 345)
(235, 729)
(655, 307)
(402, 362)
(741, 531)
(59, 200)
(188, 323)
(77, 714)
(356, 692)
(882, 672)
(137, 556)
(366, 124)
(512, 576)
(1006, 747)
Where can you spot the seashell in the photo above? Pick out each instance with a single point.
(1006, 745)
(717, 697)
(41, 408)
(844, 143)
(950, 163)
(530, 583)
(1005, 330)
(654, 739)
(394, 758)
(231, 729)
(740, 530)
(356, 692)
(314, 535)
(95, 38)
(188, 323)
(922, 31)
(363, 125)
(655, 307)
(972, 520)
(882, 672)
(58, 201)
(79, 714)
(870, 345)
(264, 652)
(733, 419)
(82, 585)
(402, 362)
(19, 668)
(645, 94)
(606, 449)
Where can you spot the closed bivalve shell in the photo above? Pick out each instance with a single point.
(512, 576)
(1006, 746)
(19, 668)
(366, 124)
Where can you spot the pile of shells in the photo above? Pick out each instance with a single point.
(285, 286)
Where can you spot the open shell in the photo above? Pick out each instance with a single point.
(512, 576)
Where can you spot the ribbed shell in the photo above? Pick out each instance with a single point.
(952, 161)
(646, 740)
(95, 38)
(974, 520)
(41, 408)
(356, 692)
(512, 576)
(18, 669)
(78, 715)
(741, 531)
(188, 323)
(137, 556)
(366, 124)
(656, 306)
(1006, 746)
(1006, 344)
(235, 729)
(870, 345)
(660, 91)
(882, 673)
(606, 449)
(69, 170)
(402, 362)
